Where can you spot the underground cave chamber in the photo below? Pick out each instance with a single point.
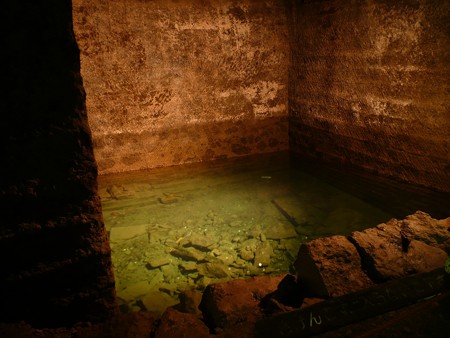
(235, 95)
(170, 84)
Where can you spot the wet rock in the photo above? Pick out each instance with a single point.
(157, 261)
(330, 267)
(226, 258)
(291, 245)
(188, 266)
(263, 254)
(136, 290)
(118, 234)
(189, 301)
(236, 303)
(256, 232)
(158, 302)
(202, 242)
(188, 254)
(169, 288)
(247, 254)
(177, 324)
(214, 270)
(171, 272)
(422, 227)
(280, 231)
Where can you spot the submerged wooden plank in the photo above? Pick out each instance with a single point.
(344, 310)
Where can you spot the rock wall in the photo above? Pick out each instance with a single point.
(171, 82)
(369, 86)
(54, 252)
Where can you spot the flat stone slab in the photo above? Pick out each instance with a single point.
(330, 267)
(118, 234)
(157, 261)
(280, 231)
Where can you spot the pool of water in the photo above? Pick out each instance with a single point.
(178, 229)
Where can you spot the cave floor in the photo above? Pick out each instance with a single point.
(178, 228)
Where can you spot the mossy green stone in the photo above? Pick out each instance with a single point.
(447, 265)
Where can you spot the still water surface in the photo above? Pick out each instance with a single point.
(182, 228)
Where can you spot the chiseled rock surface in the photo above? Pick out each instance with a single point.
(422, 257)
(381, 250)
(236, 303)
(330, 267)
(423, 227)
(399, 248)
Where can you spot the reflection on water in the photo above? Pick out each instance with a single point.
(182, 228)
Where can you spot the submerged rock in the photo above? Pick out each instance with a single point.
(158, 301)
(157, 261)
(118, 234)
(263, 254)
(280, 231)
(188, 266)
(214, 270)
(202, 242)
(188, 254)
(247, 254)
(168, 199)
(136, 290)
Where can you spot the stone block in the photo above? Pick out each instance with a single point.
(330, 267)
(423, 227)
(236, 303)
(399, 248)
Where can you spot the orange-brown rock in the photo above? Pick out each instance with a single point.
(330, 267)
(176, 324)
(235, 304)
(399, 248)
(423, 227)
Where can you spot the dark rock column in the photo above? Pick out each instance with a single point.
(54, 252)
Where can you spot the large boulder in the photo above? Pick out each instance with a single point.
(398, 248)
(235, 304)
(330, 267)
(381, 250)
(422, 227)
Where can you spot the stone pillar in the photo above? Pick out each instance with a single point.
(55, 264)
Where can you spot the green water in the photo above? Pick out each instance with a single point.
(182, 228)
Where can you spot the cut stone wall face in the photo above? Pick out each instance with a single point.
(184, 81)
(369, 87)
